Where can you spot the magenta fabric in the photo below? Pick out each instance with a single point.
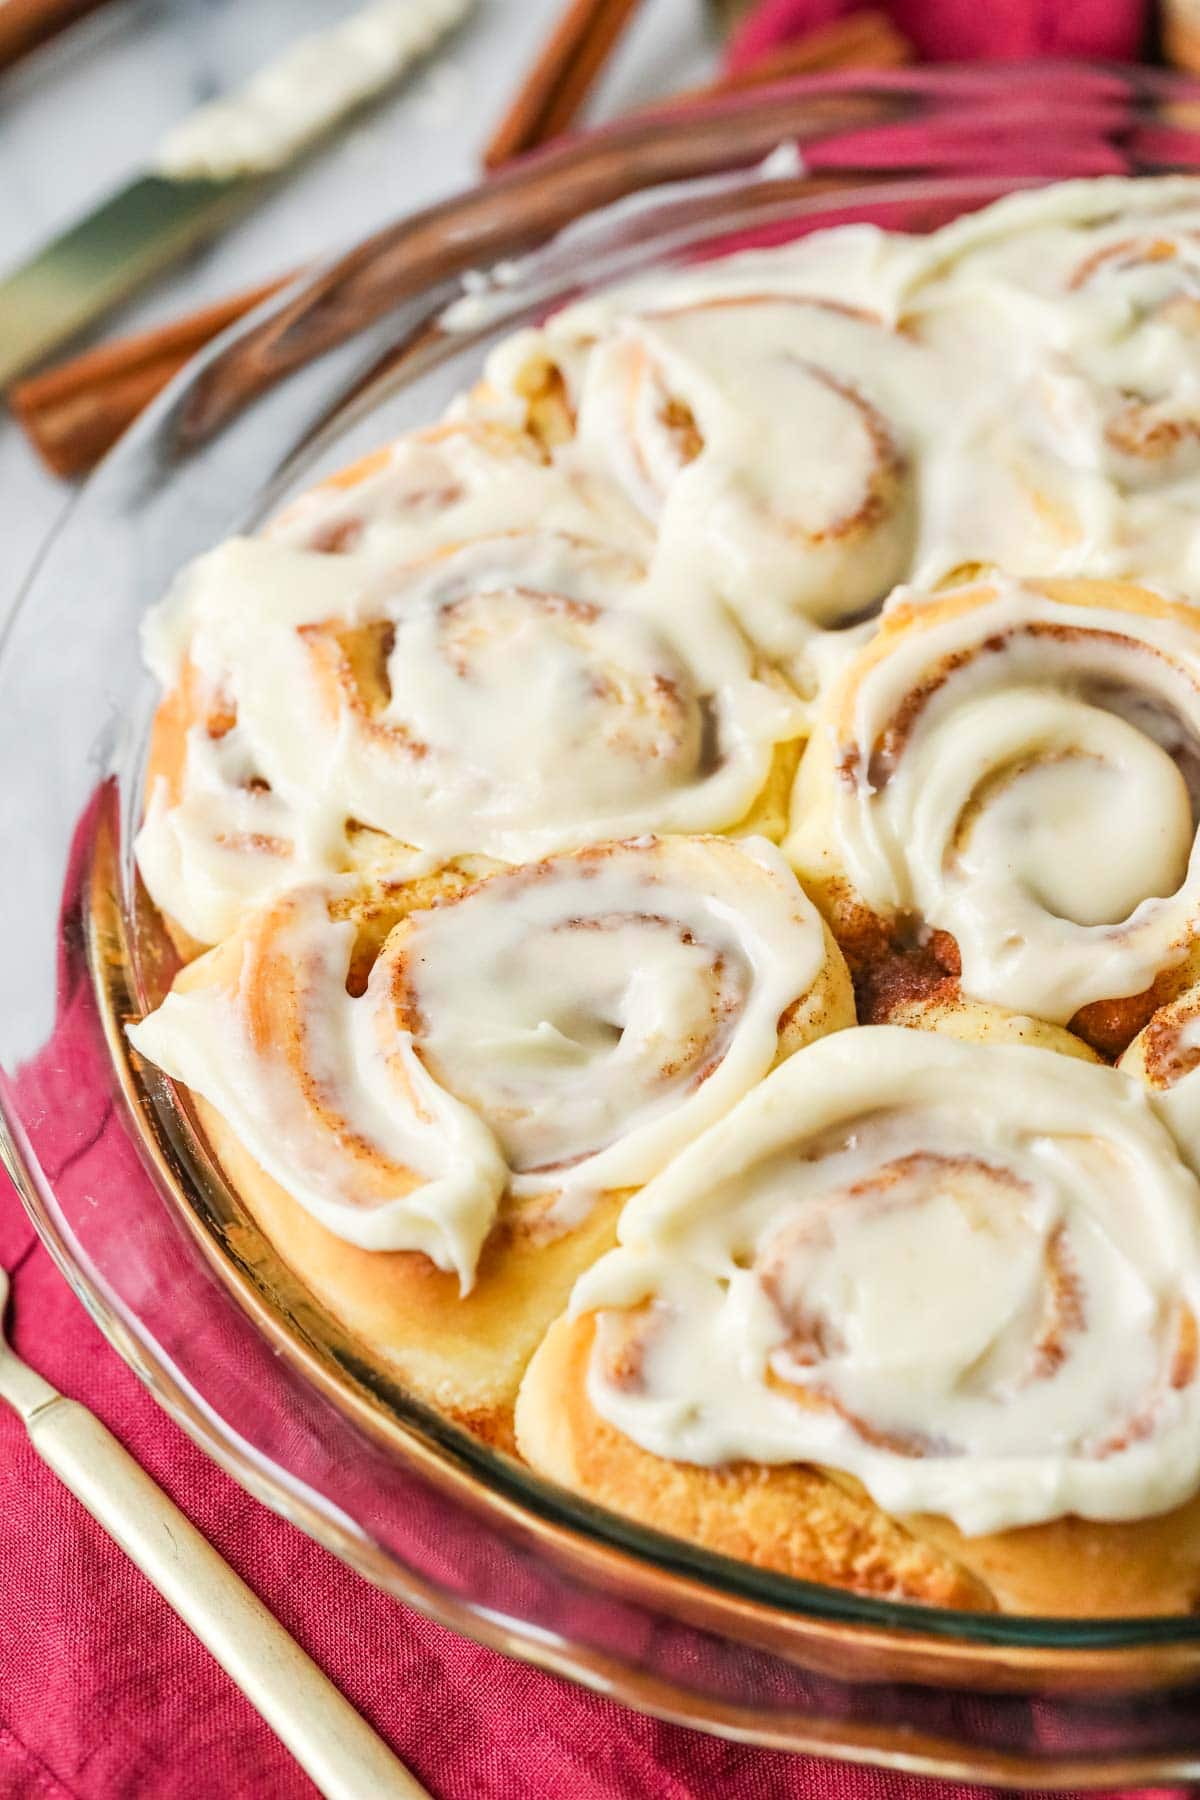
(104, 1695)
(963, 30)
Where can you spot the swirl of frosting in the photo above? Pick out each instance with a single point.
(452, 483)
(764, 434)
(1017, 765)
(557, 1031)
(1151, 423)
(350, 1123)
(1081, 452)
(1121, 392)
(967, 1275)
(503, 698)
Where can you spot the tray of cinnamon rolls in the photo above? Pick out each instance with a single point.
(684, 880)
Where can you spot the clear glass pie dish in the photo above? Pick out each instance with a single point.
(121, 1184)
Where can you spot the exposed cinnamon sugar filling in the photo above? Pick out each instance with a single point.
(1172, 1044)
(1128, 253)
(501, 698)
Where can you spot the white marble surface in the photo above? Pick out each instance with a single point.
(84, 115)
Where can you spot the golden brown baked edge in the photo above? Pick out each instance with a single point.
(821, 1526)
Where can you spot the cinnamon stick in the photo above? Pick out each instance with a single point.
(551, 95)
(77, 410)
(25, 24)
(863, 40)
(1179, 26)
(74, 412)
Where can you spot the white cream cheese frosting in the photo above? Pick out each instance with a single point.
(776, 441)
(601, 1009)
(1165, 1055)
(562, 1028)
(1022, 771)
(449, 485)
(781, 423)
(306, 91)
(1018, 389)
(507, 698)
(1077, 447)
(592, 605)
(351, 1124)
(968, 1275)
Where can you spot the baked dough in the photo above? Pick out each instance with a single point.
(817, 1525)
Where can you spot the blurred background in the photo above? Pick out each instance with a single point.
(91, 91)
(84, 114)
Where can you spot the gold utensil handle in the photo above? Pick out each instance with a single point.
(329, 1740)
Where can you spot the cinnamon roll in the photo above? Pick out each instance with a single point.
(470, 768)
(449, 484)
(1150, 430)
(505, 697)
(1080, 453)
(1005, 780)
(958, 1284)
(765, 435)
(434, 1096)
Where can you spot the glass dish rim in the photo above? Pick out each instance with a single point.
(661, 1555)
(459, 1460)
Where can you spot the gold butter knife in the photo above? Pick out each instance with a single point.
(330, 1741)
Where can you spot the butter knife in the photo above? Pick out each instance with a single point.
(330, 1741)
(214, 165)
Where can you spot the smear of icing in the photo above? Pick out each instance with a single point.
(968, 1275)
(306, 91)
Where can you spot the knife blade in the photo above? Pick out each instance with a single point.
(130, 237)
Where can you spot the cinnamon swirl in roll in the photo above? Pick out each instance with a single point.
(1165, 1055)
(529, 787)
(1077, 447)
(918, 1316)
(454, 482)
(765, 435)
(436, 1122)
(1005, 781)
(505, 697)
